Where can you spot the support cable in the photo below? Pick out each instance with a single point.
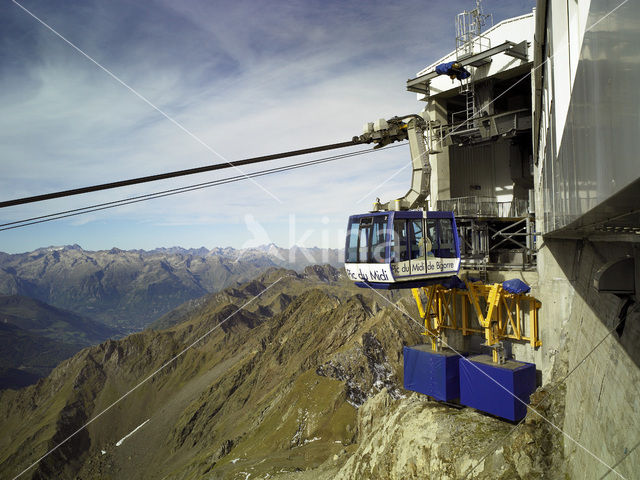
(175, 191)
(178, 173)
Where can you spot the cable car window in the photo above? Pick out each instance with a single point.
(363, 240)
(399, 241)
(352, 243)
(447, 247)
(432, 236)
(378, 240)
(416, 239)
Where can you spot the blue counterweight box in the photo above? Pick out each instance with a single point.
(479, 391)
(432, 373)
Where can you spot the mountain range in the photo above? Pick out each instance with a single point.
(131, 289)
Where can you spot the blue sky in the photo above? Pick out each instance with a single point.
(246, 78)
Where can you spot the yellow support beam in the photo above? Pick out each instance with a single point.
(416, 296)
(425, 314)
(498, 315)
(465, 324)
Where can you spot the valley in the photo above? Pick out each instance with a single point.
(35, 337)
(55, 301)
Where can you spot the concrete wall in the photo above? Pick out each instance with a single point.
(603, 393)
(587, 150)
(440, 186)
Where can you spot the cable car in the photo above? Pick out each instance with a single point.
(401, 249)
(400, 244)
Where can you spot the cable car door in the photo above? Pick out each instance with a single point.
(418, 245)
(400, 264)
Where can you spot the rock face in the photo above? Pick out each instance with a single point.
(130, 289)
(414, 438)
(417, 438)
(364, 369)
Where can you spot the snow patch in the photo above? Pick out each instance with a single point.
(303, 417)
(119, 442)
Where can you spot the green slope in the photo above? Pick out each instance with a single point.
(248, 391)
(25, 357)
(35, 337)
(39, 318)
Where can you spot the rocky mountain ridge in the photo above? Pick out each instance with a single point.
(303, 382)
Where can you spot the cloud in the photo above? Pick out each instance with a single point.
(247, 78)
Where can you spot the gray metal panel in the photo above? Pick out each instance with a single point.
(486, 166)
(600, 145)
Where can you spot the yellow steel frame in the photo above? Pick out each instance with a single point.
(499, 314)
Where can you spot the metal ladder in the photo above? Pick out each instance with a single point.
(466, 88)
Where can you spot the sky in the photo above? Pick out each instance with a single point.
(158, 86)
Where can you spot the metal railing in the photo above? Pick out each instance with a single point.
(476, 206)
(469, 43)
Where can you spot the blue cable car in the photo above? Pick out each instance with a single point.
(402, 249)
